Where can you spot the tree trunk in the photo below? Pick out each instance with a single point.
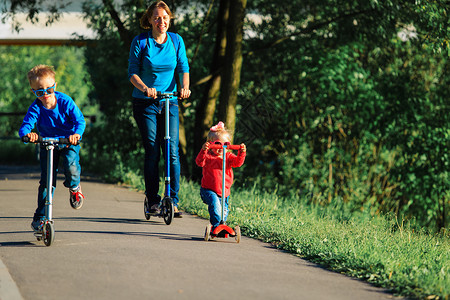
(125, 35)
(233, 64)
(207, 105)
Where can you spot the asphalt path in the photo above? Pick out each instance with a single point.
(107, 250)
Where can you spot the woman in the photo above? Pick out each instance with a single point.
(154, 58)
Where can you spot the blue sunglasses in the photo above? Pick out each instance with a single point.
(48, 91)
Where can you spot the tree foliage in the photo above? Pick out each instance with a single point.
(349, 100)
(15, 94)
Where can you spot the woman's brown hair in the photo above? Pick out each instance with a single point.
(144, 21)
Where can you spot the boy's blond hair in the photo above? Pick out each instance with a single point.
(40, 71)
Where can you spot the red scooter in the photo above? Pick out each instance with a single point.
(223, 230)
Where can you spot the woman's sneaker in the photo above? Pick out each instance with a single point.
(76, 198)
(155, 209)
(37, 225)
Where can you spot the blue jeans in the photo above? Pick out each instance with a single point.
(214, 203)
(149, 116)
(72, 171)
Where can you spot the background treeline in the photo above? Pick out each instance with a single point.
(345, 104)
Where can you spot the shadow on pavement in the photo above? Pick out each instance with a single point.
(17, 244)
(109, 220)
(161, 235)
(16, 217)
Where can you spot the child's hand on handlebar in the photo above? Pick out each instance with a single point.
(74, 139)
(33, 136)
(243, 148)
(205, 146)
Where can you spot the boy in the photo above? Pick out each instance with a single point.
(56, 115)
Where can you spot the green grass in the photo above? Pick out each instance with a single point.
(380, 250)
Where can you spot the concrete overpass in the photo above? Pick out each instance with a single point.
(62, 32)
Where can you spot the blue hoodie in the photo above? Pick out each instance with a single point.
(63, 121)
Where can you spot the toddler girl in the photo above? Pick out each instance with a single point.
(211, 162)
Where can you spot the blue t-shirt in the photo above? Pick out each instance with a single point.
(63, 121)
(158, 64)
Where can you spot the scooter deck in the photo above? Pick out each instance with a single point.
(223, 231)
(38, 234)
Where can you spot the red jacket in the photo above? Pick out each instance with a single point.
(212, 170)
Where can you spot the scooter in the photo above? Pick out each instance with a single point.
(46, 230)
(223, 230)
(166, 204)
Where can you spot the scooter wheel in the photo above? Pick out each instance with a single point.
(237, 230)
(207, 232)
(48, 234)
(167, 210)
(146, 209)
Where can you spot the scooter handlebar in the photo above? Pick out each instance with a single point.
(41, 139)
(160, 94)
(231, 147)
